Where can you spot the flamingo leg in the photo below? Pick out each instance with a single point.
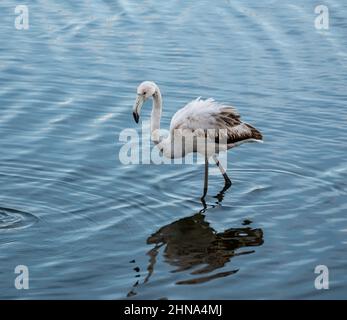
(222, 170)
(206, 177)
(206, 171)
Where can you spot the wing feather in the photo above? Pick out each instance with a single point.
(200, 116)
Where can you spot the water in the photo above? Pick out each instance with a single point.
(88, 226)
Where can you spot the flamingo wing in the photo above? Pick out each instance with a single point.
(201, 115)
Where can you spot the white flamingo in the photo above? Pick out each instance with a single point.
(202, 123)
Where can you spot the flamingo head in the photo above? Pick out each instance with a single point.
(145, 90)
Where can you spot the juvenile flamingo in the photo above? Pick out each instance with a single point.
(203, 126)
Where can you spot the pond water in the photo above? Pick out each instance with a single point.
(88, 226)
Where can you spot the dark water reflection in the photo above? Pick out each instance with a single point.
(191, 243)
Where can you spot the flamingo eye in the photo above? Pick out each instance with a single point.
(144, 93)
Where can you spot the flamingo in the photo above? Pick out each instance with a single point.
(200, 126)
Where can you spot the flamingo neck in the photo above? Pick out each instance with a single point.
(156, 116)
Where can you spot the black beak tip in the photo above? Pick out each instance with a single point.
(136, 117)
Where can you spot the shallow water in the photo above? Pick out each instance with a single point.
(88, 226)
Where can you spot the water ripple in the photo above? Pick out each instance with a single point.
(11, 219)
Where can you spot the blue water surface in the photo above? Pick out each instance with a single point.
(88, 226)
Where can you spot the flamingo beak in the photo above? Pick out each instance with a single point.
(140, 99)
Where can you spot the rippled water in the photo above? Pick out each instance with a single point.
(88, 226)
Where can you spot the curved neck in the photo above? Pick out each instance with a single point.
(156, 115)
